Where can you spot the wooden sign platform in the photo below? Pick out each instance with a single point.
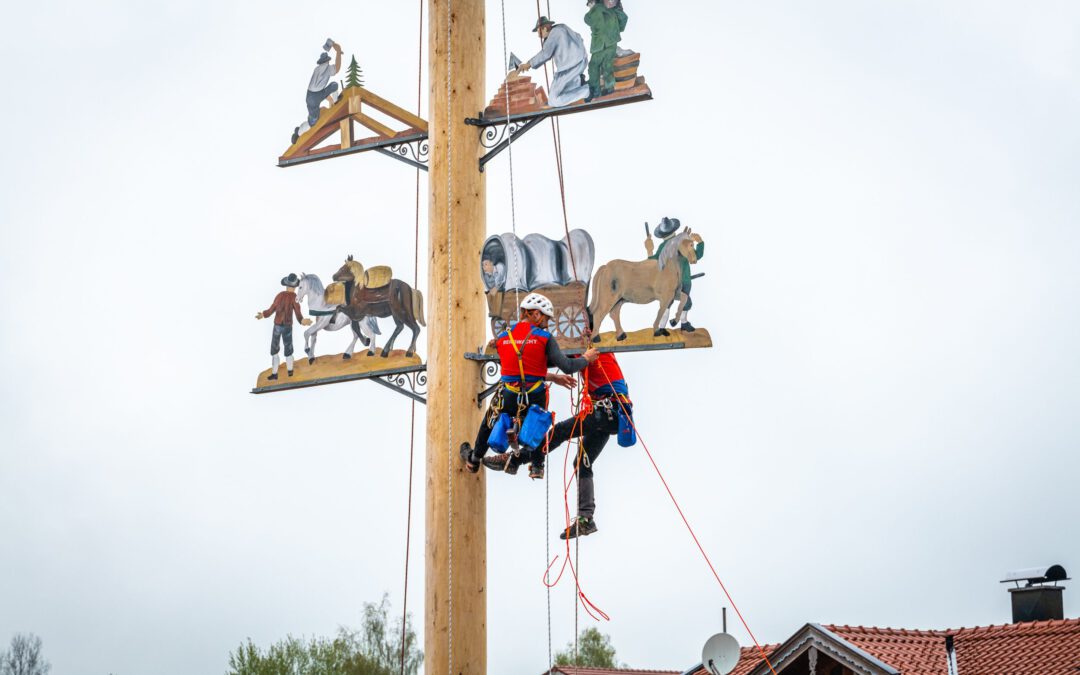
(332, 369)
(636, 341)
(493, 115)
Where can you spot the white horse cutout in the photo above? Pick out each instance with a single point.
(311, 288)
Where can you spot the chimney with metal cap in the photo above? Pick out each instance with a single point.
(1040, 598)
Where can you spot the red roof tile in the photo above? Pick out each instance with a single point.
(1036, 648)
(912, 652)
(582, 670)
(1033, 648)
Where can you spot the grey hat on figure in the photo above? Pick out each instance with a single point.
(292, 281)
(324, 57)
(542, 21)
(666, 227)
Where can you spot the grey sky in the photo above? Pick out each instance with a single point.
(886, 424)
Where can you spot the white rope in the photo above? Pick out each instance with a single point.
(451, 454)
(509, 143)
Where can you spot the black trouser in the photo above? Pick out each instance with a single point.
(594, 430)
(282, 333)
(506, 401)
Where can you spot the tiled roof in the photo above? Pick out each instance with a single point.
(1037, 647)
(582, 670)
(912, 652)
(1032, 648)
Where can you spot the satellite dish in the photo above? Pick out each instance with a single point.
(720, 654)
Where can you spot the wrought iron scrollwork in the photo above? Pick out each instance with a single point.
(497, 137)
(491, 378)
(414, 153)
(411, 384)
(494, 135)
(418, 151)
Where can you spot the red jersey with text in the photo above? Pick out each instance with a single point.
(604, 377)
(528, 342)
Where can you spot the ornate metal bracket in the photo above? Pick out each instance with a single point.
(491, 378)
(497, 137)
(414, 153)
(489, 363)
(412, 385)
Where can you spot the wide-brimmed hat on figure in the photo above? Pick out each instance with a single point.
(542, 21)
(324, 57)
(667, 226)
(292, 281)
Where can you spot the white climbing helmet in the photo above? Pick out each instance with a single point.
(540, 302)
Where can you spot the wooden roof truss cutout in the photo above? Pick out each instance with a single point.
(346, 117)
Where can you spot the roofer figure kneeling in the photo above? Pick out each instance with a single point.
(518, 411)
(605, 412)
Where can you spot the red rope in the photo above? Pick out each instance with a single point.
(556, 138)
(686, 522)
(591, 609)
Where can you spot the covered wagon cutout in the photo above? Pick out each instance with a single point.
(511, 267)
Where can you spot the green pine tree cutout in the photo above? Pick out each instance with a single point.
(356, 76)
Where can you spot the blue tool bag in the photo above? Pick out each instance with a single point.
(627, 435)
(535, 427)
(498, 438)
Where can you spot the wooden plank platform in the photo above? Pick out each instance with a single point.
(332, 369)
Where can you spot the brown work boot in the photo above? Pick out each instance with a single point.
(504, 461)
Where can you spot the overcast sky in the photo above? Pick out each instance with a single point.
(886, 424)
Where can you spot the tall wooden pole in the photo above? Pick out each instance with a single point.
(455, 624)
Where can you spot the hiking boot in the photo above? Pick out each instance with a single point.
(272, 376)
(579, 528)
(295, 135)
(536, 471)
(504, 462)
(687, 327)
(471, 463)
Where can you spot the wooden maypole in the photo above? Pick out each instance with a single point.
(455, 610)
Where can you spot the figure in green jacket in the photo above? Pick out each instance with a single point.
(666, 231)
(607, 20)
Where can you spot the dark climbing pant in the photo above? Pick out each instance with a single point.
(594, 430)
(506, 401)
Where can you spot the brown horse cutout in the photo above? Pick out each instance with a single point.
(641, 282)
(394, 299)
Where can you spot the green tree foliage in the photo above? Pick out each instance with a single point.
(355, 77)
(594, 650)
(24, 657)
(374, 649)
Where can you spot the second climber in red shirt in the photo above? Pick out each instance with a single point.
(608, 399)
(526, 350)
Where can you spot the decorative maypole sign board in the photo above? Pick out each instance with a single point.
(345, 117)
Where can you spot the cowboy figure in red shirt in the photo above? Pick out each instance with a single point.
(526, 351)
(282, 309)
(607, 397)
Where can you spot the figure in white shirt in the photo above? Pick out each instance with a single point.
(320, 87)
